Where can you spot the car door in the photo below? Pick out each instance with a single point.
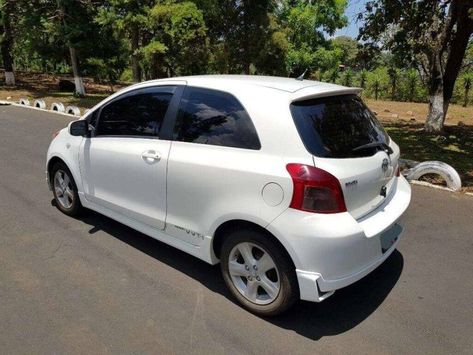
(123, 163)
(214, 162)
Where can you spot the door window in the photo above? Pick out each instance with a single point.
(214, 117)
(140, 114)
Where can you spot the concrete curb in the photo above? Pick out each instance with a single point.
(11, 103)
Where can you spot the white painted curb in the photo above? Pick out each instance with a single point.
(57, 106)
(24, 101)
(73, 110)
(10, 103)
(40, 104)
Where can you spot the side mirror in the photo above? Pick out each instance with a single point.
(79, 128)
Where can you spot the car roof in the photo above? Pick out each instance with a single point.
(289, 85)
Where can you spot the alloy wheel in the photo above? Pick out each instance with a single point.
(254, 273)
(63, 189)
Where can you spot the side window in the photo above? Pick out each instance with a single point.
(216, 118)
(141, 114)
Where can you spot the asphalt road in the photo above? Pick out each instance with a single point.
(92, 285)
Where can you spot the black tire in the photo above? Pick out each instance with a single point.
(76, 207)
(288, 285)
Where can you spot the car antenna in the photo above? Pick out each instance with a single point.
(301, 77)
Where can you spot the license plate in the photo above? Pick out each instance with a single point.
(389, 237)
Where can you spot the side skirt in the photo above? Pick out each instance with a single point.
(204, 251)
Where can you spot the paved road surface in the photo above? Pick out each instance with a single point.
(92, 285)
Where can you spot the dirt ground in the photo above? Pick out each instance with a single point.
(417, 111)
(44, 86)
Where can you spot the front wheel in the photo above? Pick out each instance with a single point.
(258, 273)
(65, 190)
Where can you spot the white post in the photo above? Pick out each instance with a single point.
(79, 85)
(9, 78)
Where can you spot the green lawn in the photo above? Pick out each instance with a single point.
(454, 147)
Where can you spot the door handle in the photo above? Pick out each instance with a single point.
(151, 156)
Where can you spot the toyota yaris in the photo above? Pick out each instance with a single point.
(293, 186)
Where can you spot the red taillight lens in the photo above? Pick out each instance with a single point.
(315, 190)
(398, 171)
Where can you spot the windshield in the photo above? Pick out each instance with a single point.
(337, 126)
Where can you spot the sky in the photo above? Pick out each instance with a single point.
(354, 7)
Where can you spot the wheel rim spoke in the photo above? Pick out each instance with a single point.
(66, 180)
(60, 178)
(265, 263)
(269, 287)
(237, 269)
(245, 251)
(69, 193)
(251, 291)
(59, 192)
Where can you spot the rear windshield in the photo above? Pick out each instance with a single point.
(338, 127)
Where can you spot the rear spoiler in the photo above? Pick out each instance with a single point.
(312, 92)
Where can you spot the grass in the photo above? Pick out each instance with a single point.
(454, 147)
(403, 120)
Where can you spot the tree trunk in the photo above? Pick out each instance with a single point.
(80, 90)
(393, 88)
(135, 60)
(467, 92)
(443, 84)
(436, 115)
(458, 45)
(6, 45)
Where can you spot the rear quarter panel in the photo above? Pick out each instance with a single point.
(209, 185)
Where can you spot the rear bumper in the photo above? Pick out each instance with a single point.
(334, 251)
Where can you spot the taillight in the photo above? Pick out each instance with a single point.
(315, 190)
(398, 171)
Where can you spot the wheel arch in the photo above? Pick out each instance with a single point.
(223, 229)
(59, 159)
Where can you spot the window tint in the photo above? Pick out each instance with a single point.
(216, 118)
(139, 115)
(338, 127)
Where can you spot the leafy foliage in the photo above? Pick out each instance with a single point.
(143, 39)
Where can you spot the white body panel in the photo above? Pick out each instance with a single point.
(116, 174)
(183, 198)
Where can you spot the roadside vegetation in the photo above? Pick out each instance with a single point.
(414, 62)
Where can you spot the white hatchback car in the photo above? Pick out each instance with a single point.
(293, 185)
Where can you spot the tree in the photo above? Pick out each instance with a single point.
(6, 39)
(347, 77)
(377, 81)
(307, 21)
(467, 82)
(348, 49)
(178, 39)
(130, 19)
(363, 76)
(393, 79)
(432, 33)
(73, 17)
(412, 79)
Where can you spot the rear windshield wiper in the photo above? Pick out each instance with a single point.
(385, 147)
